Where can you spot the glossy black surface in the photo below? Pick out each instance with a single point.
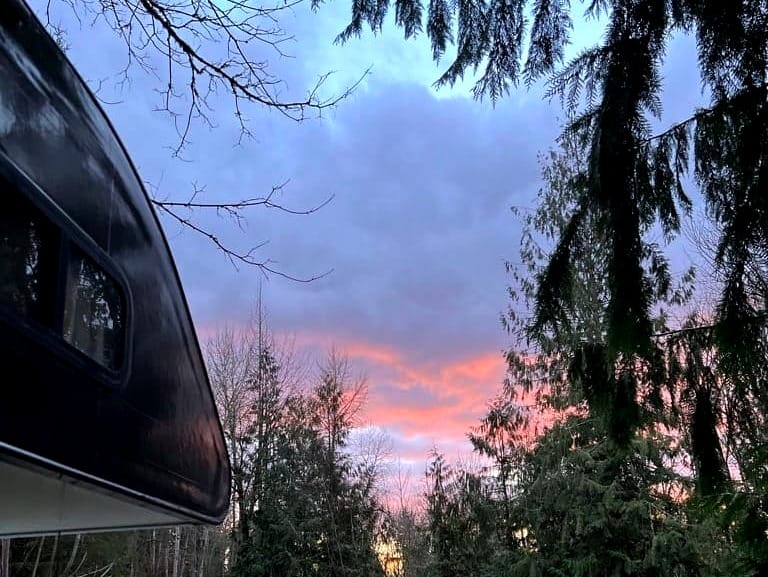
(143, 419)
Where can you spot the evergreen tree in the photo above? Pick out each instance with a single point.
(684, 390)
(287, 524)
(348, 505)
(315, 513)
(587, 510)
(460, 521)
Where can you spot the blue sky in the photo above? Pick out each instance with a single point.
(419, 226)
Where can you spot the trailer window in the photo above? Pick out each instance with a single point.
(28, 252)
(94, 311)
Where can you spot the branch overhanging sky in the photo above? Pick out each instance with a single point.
(419, 226)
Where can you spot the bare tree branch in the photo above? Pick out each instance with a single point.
(205, 48)
(235, 210)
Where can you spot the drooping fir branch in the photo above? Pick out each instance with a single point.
(632, 179)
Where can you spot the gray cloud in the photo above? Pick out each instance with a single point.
(419, 226)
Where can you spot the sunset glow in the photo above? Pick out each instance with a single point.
(420, 404)
(416, 234)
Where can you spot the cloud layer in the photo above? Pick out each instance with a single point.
(416, 234)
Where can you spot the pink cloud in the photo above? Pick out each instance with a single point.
(434, 400)
(420, 404)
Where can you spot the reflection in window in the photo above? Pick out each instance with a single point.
(93, 312)
(28, 249)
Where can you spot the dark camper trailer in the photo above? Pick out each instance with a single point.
(107, 419)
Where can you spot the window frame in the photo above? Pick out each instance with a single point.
(71, 239)
(76, 256)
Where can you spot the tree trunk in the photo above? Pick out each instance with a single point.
(176, 550)
(5, 558)
(203, 553)
(166, 551)
(73, 556)
(37, 557)
(153, 553)
(54, 551)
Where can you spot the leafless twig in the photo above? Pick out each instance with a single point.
(197, 49)
(206, 47)
(235, 210)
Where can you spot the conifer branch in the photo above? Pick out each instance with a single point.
(719, 107)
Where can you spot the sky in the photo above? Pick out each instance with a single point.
(419, 225)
